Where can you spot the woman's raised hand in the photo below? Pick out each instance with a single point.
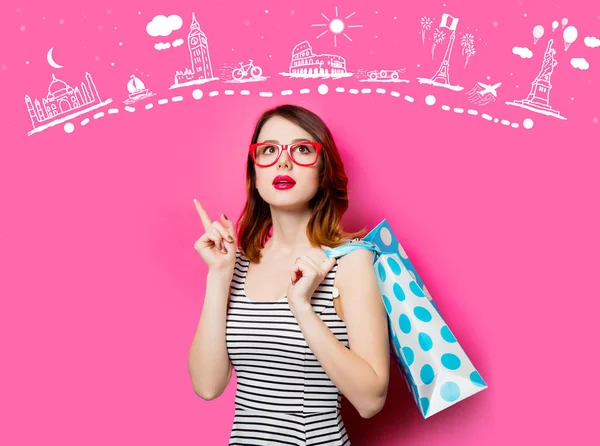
(217, 245)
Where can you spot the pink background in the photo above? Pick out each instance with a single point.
(101, 286)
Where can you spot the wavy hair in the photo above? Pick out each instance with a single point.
(328, 205)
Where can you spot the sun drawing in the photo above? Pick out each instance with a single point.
(336, 26)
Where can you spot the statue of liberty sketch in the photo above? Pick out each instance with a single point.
(442, 77)
(538, 99)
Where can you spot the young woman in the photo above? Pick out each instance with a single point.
(299, 329)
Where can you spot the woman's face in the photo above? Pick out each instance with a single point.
(281, 131)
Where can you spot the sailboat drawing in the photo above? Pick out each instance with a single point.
(137, 90)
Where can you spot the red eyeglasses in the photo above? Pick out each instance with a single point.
(305, 153)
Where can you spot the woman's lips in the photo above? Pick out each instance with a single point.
(283, 186)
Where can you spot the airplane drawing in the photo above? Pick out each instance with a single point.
(489, 88)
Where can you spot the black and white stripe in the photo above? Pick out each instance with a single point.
(283, 395)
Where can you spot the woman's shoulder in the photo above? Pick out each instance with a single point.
(352, 265)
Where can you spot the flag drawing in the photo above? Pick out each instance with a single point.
(453, 22)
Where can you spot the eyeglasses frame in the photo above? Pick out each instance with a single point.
(318, 146)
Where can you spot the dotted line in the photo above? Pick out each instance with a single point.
(322, 89)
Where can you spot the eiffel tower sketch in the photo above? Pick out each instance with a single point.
(442, 76)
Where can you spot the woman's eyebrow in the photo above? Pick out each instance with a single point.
(277, 142)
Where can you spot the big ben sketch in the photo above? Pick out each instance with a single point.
(201, 71)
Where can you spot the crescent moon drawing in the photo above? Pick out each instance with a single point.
(51, 61)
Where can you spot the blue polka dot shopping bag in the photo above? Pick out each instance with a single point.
(434, 365)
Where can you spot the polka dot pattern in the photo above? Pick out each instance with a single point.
(422, 313)
(436, 369)
(394, 266)
(425, 342)
(409, 355)
(404, 323)
(398, 292)
(427, 374)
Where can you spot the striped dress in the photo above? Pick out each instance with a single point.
(283, 395)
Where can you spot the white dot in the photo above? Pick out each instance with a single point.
(139, 12)
(266, 11)
(525, 14)
(262, 37)
(376, 12)
(394, 18)
(26, 62)
(528, 123)
(418, 65)
(401, 251)
(386, 236)
(23, 28)
(496, 120)
(595, 120)
(488, 78)
(572, 99)
(69, 127)
(495, 23)
(120, 43)
(430, 99)
(269, 55)
(323, 89)
(197, 94)
(112, 63)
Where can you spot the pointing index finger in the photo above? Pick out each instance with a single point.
(206, 221)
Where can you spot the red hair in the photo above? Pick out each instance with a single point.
(328, 205)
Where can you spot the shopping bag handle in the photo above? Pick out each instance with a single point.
(350, 246)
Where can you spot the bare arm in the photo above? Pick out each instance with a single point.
(208, 361)
(361, 373)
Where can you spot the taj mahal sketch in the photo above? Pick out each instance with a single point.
(63, 102)
(201, 71)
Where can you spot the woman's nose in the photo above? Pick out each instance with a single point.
(285, 157)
